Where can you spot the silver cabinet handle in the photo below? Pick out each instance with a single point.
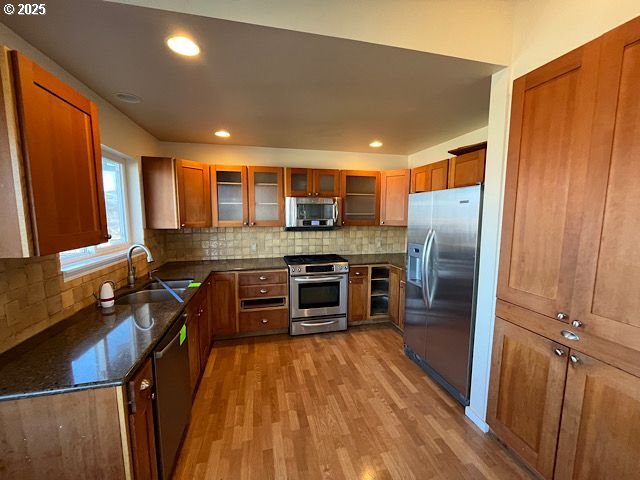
(145, 385)
(574, 359)
(264, 321)
(570, 335)
(382, 222)
(262, 277)
(561, 316)
(358, 273)
(577, 324)
(559, 352)
(263, 291)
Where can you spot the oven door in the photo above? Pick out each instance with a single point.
(318, 295)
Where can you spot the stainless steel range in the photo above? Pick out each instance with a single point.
(318, 292)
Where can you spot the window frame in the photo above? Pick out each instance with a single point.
(103, 256)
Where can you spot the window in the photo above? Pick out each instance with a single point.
(114, 178)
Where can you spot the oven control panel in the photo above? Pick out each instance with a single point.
(318, 269)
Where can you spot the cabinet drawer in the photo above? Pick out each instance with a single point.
(264, 320)
(358, 272)
(257, 291)
(262, 278)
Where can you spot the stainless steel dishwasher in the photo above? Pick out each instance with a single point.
(173, 395)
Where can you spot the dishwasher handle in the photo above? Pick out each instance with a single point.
(160, 353)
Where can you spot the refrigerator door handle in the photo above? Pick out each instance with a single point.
(423, 273)
(433, 245)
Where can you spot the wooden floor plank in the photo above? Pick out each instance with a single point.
(348, 405)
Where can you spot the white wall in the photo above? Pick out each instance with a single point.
(461, 28)
(441, 151)
(282, 157)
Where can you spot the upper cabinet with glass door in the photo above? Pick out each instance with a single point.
(62, 205)
(266, 196)
(361, 194)
(306, 182)
(229, 196)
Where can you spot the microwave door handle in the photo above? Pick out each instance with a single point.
(335, 212)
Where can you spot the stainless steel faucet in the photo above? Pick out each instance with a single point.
(131, 275)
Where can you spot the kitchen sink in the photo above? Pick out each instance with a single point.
(149, 296)
(173, 284)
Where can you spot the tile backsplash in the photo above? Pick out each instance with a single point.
(265, 242)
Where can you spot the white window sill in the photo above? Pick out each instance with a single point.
(94, 264)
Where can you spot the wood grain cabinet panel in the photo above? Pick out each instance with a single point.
(551, 120)
(193, 345)
(394, 197)
(361, 197)
(358, 299)
(194, 194)
(141, 424)
(229, 196)
(307, 182)
(257, 291)
(428, 178)
(204, 327)
(224, 304)
(62, 159)
(266, 196)
(395, 275)
(326, 182)
(467, 169)
(600, 422)
(263, 278)
(607, 287)
(525, 400)
(263, 321)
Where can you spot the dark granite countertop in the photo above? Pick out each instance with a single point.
(395, 259)
(91, 350)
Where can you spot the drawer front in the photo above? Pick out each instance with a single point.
(358, 272)
(257, 291)
(264, 320)
(262, 278)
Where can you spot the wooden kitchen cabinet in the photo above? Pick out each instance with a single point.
(204, 327)
(224, 304)
(526, 392)
(396, 293)
(467, 169)
(551, 127)
(141, 424)
(266, 196)
(600, 422)
(361, 197)
(193, 344)
(358, 294)
(62, 205)
(229, 196)
(428, 178)
(394, 197)
(177, 193)
(306, 182)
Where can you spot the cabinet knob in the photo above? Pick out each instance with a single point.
(382, 223)
(145, 385)
(316, 194)
(575, 360)
(559, 352)
(561, 316)
(262, 277)
(245, 223)
(108, 236)
(252, 223)
(570, 335)
(577, 324)
(264, 321)
(263, 291)
(182, 225)
(309, 193)
(358, 273)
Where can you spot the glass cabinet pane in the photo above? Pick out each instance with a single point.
(360, 198)
(326, 183)
(299, 182)
(266, 196)
(230, 196)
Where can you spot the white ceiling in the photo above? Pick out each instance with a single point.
(267, 86)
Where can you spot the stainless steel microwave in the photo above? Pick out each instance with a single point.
(312, 213)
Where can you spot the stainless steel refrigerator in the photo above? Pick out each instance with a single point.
(443, 238)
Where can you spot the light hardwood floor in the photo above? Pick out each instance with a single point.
(333, 406)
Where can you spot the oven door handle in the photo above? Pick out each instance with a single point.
(314, 280)
(318, 324)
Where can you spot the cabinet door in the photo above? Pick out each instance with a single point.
(551, 117)
(229, 196)
(193, 345)
(430, 177)
(204, 328)
(194, 194)
(607, 288)
(361, 193)
(466, 170)
(141, 426)
(224, 304)
(401, 301)
(326, 183)
(394, 294)
(298, 182)
(63, 161)
(394, 197)
(358, 301)
(266, 199)
(600, 422)
(525, 396)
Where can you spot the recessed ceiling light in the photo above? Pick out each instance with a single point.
(183, 46)
(376, 144)
(127, 97)
(222, 134)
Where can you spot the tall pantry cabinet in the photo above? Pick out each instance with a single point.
(569, 281)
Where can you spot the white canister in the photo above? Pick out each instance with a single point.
(106, 296)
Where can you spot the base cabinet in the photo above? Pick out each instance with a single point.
(141, 426)
(224, 304)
